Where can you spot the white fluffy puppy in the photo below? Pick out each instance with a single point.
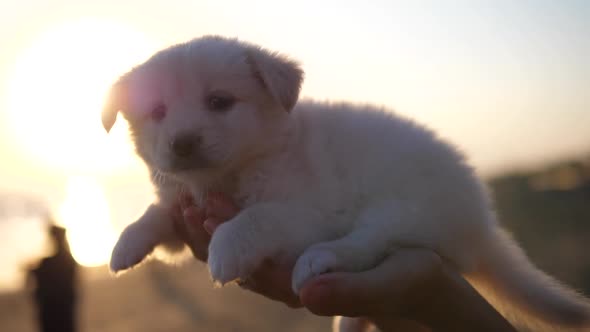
(337, 185)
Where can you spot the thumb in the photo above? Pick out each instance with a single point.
(400, 281)
(340, 293)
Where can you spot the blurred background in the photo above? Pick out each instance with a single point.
(507, 81)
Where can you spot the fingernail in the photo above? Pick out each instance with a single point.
(210, 225)
(317, 290)
(315, 295)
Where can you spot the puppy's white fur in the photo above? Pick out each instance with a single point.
(339, 186)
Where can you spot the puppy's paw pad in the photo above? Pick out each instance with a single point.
(313, 262)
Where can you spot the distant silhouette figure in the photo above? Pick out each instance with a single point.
(55, 293)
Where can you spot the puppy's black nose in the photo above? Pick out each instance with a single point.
(184, 145)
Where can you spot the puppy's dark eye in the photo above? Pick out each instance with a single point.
(158, 113)
(219, 102)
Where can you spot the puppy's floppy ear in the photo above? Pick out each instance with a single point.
(279, 75)
(115, 102)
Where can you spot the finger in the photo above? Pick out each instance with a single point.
(332, 294)
(180, 228)
(193, 219)
(274, 282)
(185, 200)
(399, 281)
(211, 224)
(176, 211)
(220, 207)
(198, 238)
(179, 221)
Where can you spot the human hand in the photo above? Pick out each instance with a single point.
(195, 225)
(412, 289)
(388, 295)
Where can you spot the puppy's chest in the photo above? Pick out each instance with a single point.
(262, 186)
(287, 185)
(244, 189)
(325, 197)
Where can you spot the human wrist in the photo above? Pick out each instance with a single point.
(454, 305)
(417, 307)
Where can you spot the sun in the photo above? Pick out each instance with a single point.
(55, 94)
(58, 86)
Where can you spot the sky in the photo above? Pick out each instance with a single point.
(506, 81)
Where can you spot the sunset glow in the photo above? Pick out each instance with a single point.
(57, 89)
(85, 214)
(55, 96)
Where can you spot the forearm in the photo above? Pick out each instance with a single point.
(456, 306)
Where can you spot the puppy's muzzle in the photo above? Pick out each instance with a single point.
(186, 152)
(184, 146)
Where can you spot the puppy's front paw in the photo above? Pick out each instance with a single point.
(231, 257)
(133, 246)
(314, 261)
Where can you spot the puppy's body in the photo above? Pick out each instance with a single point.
(337, 185)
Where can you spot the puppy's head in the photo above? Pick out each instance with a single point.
(205, 105)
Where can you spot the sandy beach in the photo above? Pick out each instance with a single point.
(155, 297)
